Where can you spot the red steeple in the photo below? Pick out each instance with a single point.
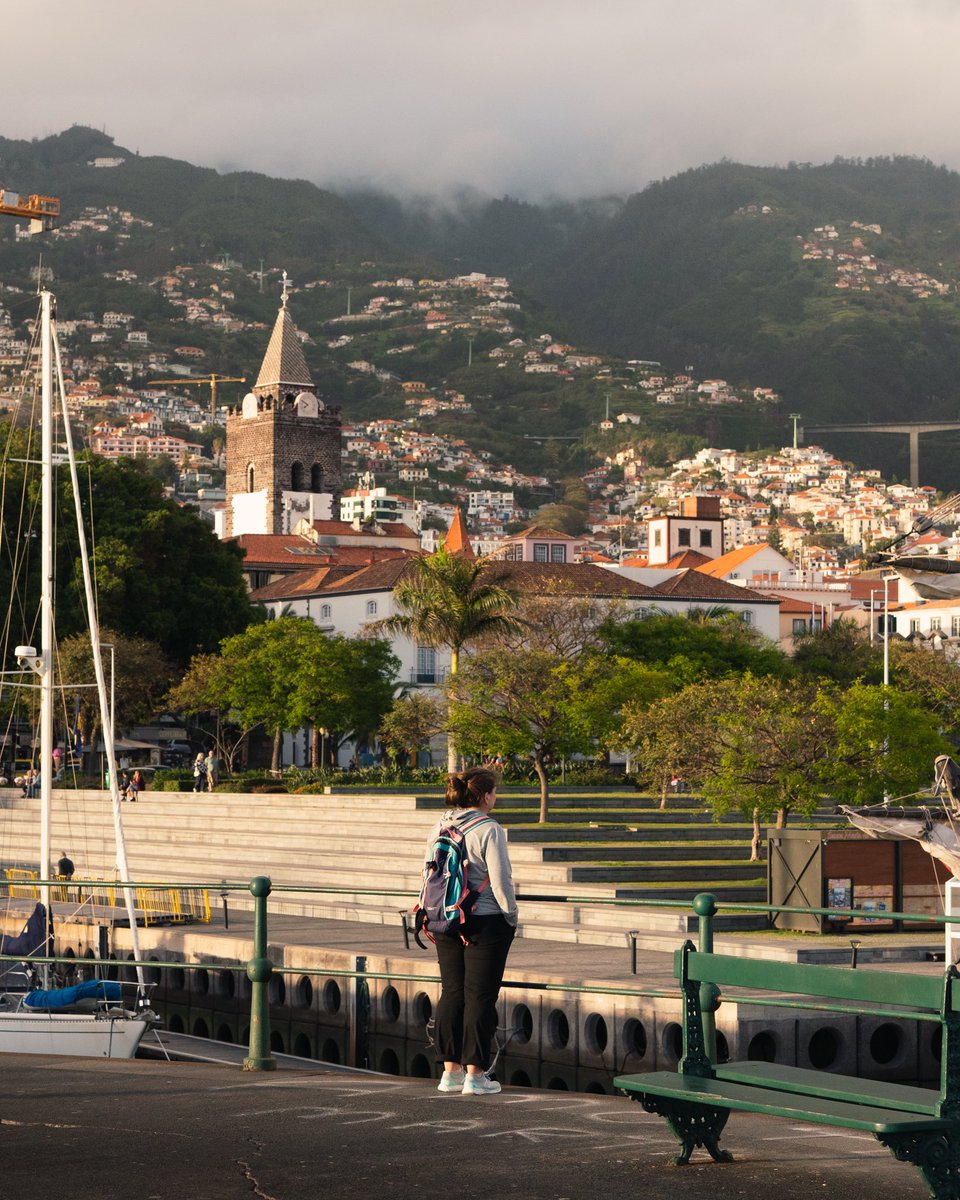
(457, 540)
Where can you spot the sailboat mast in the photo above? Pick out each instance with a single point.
(46, 583)
(106, 709)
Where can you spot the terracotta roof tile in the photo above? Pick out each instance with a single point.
(692, 584)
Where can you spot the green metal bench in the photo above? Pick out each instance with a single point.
(919, 1125)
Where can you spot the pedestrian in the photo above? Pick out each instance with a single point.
(65, 867)
(199, 772)
(210, 767)
(471, 967)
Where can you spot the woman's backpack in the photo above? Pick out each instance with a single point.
(446, 898)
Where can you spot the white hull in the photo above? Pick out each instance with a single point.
(76, 1034)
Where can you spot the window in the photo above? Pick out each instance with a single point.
(914, 624)
(658, 537)
(558, 554)
(371, 608)
(706, 537)
(316, 478)
(799, 625)
(426, 664)
(683, 537)
(514, 554)
(250, 477)
(326, 612)
(296, 477)
(955, 626)
(540, 550)
(936, 624)
(747, 618)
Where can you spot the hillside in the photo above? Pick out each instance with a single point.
(835, 286)
(718, 268)
(197, 213)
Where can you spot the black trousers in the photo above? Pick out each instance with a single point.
(470, 977)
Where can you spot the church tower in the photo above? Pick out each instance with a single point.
(283, 443)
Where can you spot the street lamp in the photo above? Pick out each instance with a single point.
(886, 628)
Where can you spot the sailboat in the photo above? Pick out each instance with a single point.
(90, 1018)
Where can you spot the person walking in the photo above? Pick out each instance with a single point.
(200, 772)
(472, 966)
(210, 767)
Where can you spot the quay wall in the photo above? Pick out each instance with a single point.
(550, 1039)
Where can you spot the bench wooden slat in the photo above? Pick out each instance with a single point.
(872, 1092)
(807, 979)
(719, 1093)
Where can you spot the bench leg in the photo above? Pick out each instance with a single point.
(692, 1125)
(935, 1155)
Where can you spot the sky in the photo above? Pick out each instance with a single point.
(519, 97)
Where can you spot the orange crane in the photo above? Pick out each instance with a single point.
(41, 211)
(210, 381)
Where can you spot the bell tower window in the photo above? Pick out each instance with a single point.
(316, 478)
(296, 477)
(250, 477)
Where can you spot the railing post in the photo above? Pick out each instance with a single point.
(259, 970)
(705, 906)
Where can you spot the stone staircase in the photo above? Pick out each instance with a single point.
(596, 850)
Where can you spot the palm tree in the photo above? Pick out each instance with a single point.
(444, 602)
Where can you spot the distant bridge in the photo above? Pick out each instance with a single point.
(912, 428)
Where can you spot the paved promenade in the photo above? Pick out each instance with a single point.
(102, 1130)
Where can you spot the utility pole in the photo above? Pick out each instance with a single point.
(795, 417)
(469, 351)
(349, 290)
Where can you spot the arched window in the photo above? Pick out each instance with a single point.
(326, 612)
(316, 478)
(371, 608)
(250, 477)
(296, 477)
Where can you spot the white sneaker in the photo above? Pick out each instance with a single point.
(452, 1081)
(480, 1085)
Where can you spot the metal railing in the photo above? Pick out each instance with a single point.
(259, 969)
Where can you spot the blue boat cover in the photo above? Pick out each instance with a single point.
(97, 989)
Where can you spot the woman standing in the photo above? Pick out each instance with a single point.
(471, 972)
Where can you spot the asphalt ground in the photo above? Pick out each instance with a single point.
(99, 1130)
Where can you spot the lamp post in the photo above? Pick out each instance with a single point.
(873, 592)
(886, 628)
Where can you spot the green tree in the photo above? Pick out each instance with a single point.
(261, 683)
(411, 723)
(448, 601)
(141, 677)
(695, 649)
(204, 693)
(345, 685)
(840, 652)
(540, 704)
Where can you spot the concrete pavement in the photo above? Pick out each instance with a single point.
(99, 1130)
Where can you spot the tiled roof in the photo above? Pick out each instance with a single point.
(285, 549)
(576, 579)
(284, 364)
(542, 531)
(346, 529)
(692, 584)
(733, 558)
(687, 558)
(301, 584)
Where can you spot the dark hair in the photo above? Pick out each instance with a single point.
(467, 788)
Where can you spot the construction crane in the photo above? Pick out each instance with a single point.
(41, 211)
(210, 381)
